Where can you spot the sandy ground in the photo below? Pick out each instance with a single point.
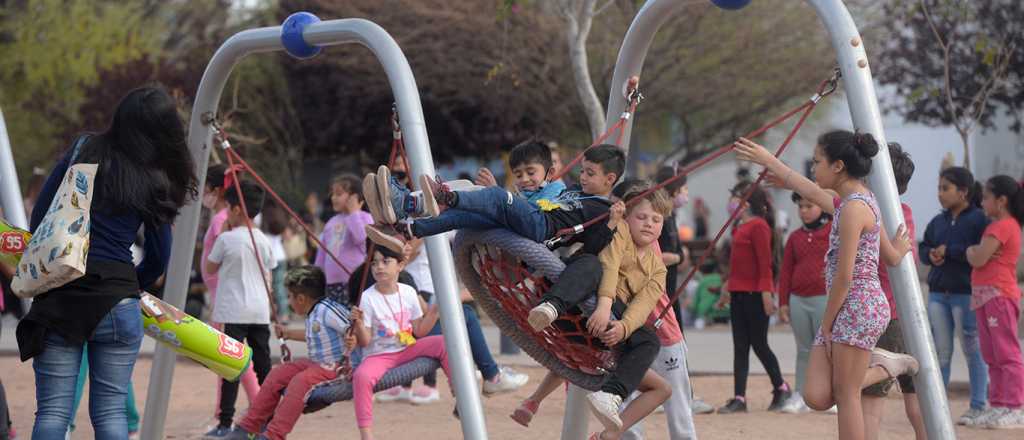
(193, 402)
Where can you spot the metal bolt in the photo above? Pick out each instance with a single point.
(855, 41)
(862, 63)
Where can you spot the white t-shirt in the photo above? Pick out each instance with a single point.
(241, 292)
(419, 268)
(386, 315)
(277, 247)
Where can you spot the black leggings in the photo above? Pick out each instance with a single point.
(750, 329)
(258, 337)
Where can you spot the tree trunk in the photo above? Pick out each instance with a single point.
(966, 138)
(579, 21)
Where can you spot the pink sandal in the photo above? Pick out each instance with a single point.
(524, 414)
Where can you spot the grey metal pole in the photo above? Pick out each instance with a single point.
(10, 190)
(406, 95)
(576, 420)
(860, 94)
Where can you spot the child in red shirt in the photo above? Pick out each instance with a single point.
(995, 298)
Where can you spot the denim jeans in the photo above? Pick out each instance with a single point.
(477, 346)
(488, 208)
(113, 348)
(948, 312)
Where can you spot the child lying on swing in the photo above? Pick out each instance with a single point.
(631, 283)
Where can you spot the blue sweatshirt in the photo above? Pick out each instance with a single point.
(111, 237)
(954, 275)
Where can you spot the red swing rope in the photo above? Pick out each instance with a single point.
(233, 169)
(826, 88)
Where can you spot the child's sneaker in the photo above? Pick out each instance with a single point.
(240, 434)
(394, 198)
(735, 405)
(217, 433)
(424, 395)
(394, 394)
(524, 413)
(970, 417)
(893, 363)
(779, 397)
(437, 195)
(372, 197)
(506, 381)
(390, 237)
(795, 405)
(1006, 419)
(542, 316)
(605, 407)
(699, 406)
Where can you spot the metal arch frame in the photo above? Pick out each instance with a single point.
(863, 103)
(10, 189)
(403, 86)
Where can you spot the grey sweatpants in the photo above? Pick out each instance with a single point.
(671, 365)
(805, 314)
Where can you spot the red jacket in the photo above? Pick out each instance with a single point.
(803, 263)
(750, 261)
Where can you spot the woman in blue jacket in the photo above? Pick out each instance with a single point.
(949, 234)
(145, 176)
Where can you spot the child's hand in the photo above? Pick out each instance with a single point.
(773, 180)
(615, 214)
(936, 258)
(615, 333)
(279, 330)
(768, 302)
(784, 313)
(597, 323)
(750, 151)
(484, 177)
(356, 316)
(350, 340)
(723, 300)
(901, 241)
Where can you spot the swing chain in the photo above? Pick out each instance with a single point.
(218, 131)
(396, 127)
(829, 86)
(633, 98)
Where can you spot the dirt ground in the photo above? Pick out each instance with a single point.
(193, 402)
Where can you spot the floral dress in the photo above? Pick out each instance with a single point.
(864, 314)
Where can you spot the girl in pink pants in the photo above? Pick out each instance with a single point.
(995, 298)
(388, 324)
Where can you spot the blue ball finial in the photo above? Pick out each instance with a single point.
(731, 5)
(291, 35)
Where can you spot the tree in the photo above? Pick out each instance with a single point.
(955, 62)
(579, 16)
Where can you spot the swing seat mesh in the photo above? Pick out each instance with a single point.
(507, 275)
(324, 394)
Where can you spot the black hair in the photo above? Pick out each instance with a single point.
(902, 166)
(854, 149)
(1006, 186)
(349, 183)
(275, 220)
(824, 217)
(665, 173)
(963, 180)
(306, 280)
(626, 186)
(251, 193)
(387, 253)
(145, 167)
(611, 158)
(530, 152)
(710, 266)
(215, 175)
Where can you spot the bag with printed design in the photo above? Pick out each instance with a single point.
(57, 251)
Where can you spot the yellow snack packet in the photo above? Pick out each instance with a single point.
(13, 242)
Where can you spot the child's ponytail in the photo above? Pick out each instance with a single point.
(1006, 186)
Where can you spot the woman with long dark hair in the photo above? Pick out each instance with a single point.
(145, 176)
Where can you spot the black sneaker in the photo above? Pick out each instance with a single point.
(779, 399)
(733, 406)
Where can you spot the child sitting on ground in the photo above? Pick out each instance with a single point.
(242, 302)
(344, 235)
(494, 207)
(391, 327)
(531, 165)
(326, 324)
(632, 281)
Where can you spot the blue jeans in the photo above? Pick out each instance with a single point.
(477, 346)
(488, 208)
(113, 348)
(946, 312)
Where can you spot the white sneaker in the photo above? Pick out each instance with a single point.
(795, 405)
(506, 381)
(605, 407)
(660, 409)
(1007, 419)
(542, 316)
(424, 396)
(699, 406)
(895, 364)
(394, 394)
(833, 410)
(970, 417)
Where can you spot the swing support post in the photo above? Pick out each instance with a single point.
(863, 103)
(10, 190)
(396, 67)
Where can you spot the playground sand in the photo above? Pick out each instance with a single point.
(193, 396)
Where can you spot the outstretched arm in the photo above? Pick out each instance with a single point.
(786, 177)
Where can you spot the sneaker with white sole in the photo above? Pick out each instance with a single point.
(795, 405)
(542, 316)
(699, 406)
(970, 417)
(506, 381)
(894, 364)
(394, 394)
(390, 197)
(387, 237)
(217, 433)
(372, 197)
(424, 395)
(605, 407)
(1006, 419)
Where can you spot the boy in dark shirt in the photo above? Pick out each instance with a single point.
(494, 207)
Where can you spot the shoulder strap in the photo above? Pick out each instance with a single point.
(77, 148)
